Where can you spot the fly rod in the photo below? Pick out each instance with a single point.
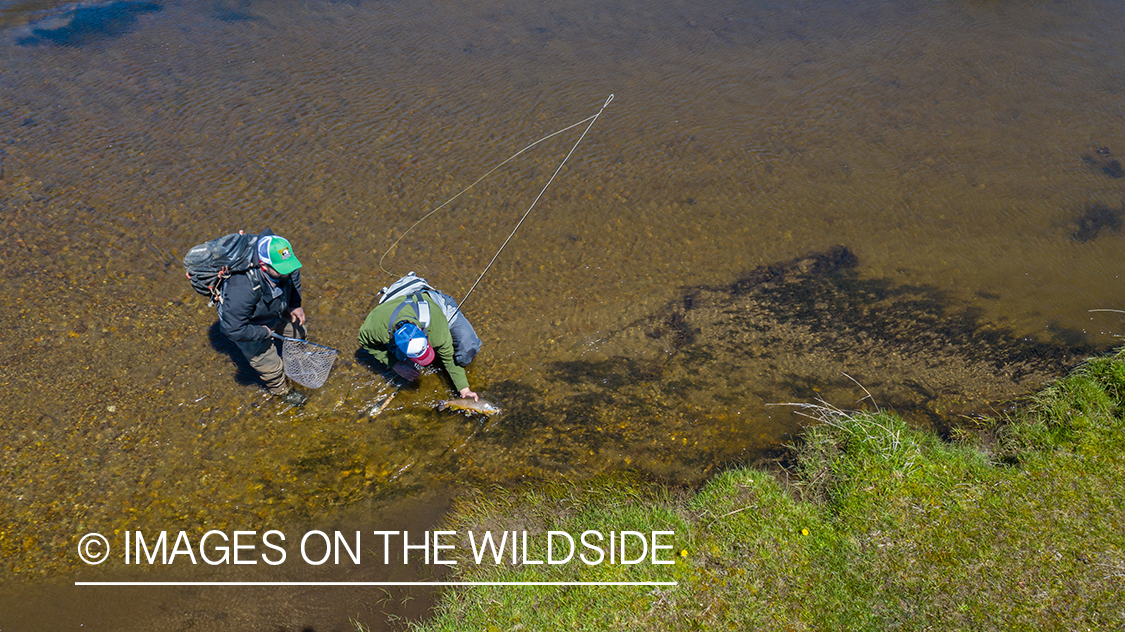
(590, 123)
(592, 120)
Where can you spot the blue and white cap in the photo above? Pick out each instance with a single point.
(412, 342)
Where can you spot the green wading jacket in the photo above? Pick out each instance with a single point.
(375, 336)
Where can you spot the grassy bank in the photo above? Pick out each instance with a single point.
(1018, 523)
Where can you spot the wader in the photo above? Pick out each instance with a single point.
(265, 356)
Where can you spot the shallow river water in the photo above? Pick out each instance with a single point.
(926, 196)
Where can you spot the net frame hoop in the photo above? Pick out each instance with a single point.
(277, 335)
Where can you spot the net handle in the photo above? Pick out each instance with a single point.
(277, 335)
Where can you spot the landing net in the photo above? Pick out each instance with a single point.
(307, 363)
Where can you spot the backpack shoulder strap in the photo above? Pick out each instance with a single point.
(421, 308)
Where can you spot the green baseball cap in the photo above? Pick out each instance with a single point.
(277, 253)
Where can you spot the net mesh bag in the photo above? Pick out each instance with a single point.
(306, 363)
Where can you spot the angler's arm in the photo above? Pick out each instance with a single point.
(374, 339)
(456, 373)
(294, 311)
(295, 296)
(238, 306)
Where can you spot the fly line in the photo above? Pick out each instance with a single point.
(590, 123)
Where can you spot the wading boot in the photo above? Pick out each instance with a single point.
(289, 396)
(295, 398)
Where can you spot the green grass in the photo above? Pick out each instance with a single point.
(1018, 523)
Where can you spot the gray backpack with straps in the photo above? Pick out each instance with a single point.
(407, 285)
(412, 285)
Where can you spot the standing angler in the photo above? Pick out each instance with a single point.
(413, 324)
(263, 300)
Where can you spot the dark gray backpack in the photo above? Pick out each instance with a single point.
(210, 264)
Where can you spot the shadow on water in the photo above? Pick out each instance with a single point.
(694, 392)
(244, 373)
(1101, 159)
(364, 359)
(687, 390)
(1095, 220)
(88, 24)
(1098, 219)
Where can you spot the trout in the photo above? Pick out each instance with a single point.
(469, 406)
(381, 405)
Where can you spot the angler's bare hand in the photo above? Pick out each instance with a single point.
(298, 315)
(465, 392)
(407, 370)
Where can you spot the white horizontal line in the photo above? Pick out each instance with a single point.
(376, 583)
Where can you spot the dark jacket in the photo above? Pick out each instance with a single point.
(253, 302)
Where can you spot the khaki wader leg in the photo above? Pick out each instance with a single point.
(265, 356)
